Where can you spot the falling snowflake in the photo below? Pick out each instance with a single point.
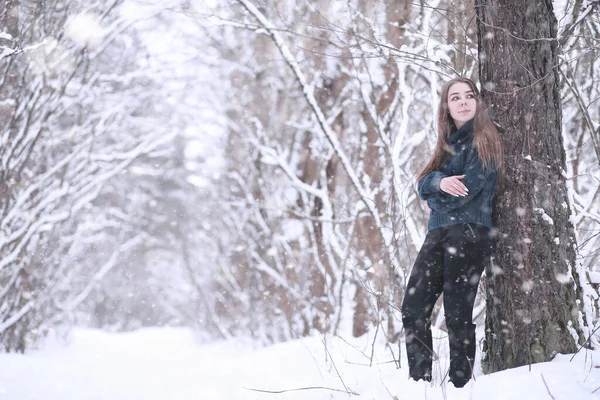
(85, 29)
(563, 278)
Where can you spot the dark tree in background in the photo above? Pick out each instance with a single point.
(532, 310)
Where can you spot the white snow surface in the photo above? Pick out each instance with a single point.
(168, 363)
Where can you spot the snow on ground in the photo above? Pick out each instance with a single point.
(167, 363)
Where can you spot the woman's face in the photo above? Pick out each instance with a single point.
(461, 103)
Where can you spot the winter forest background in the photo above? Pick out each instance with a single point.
(174, 163)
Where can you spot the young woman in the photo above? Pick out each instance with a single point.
(459, 184)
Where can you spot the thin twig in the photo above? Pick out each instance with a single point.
(336, 370)
(394, 361)
(304, 388)
(547, 388)
(471, 365)
(375, 339)
(583, 345)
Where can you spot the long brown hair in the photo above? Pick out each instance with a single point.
(485, 134)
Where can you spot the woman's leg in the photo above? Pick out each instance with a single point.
(423, 289)
(469, 247)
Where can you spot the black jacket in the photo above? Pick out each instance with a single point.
(477, 206)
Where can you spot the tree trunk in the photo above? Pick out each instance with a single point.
(12, 338)
(9, 24)
(461, 33)
(532, 311)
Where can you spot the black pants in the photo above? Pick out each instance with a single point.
(451, 261)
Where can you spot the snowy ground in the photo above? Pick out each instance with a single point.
(166, 363)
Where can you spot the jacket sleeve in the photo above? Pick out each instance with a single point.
(475, 180)
(430, 184)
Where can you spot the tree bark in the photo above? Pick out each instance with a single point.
(12, 338)
(532, 311)
(9, 24)
(461, 33)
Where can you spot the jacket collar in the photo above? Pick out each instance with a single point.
(458, 135)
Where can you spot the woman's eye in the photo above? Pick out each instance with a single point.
(470, 96)
(454, 98)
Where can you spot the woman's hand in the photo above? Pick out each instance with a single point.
(453, 185)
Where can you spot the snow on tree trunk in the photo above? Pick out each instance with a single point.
(532, 311)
